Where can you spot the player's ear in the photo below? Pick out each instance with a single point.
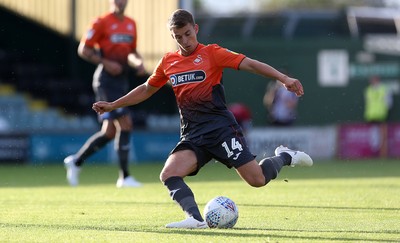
(196, 28)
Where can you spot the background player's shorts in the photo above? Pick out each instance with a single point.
(110, 88)
(115, 114)
(231, 151)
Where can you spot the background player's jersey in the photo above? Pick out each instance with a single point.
(197, 84)
(115, 38)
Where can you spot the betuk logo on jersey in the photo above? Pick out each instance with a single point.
(187, 77)
(121, 38)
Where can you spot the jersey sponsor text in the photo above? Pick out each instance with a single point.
(187, 77)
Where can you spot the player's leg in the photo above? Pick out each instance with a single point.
(122, 147)
(178, 165)
(259, 174)
(101, 138)
(91, 146)
(233, 151)
(96, 142)
(108, 129)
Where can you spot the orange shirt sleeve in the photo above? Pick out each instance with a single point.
(135, 37)
(225, 58)
(94, 34)
(158, 78)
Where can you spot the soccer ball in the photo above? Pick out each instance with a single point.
(221, 212)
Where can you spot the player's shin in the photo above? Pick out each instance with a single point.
(183, 195)
(271, 167)
(92, 145)
(122, 147)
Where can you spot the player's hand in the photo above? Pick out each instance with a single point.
(113, 68)
(294, 86)
(102, 106)
(141, 71)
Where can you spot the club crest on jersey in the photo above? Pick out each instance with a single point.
(187, 77)
(198, 60)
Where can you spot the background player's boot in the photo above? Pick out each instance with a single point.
(188, 223)
(72, 170)
(128, 181)
(298, 157)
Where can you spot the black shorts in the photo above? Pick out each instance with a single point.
(110, 88)
(232, 150)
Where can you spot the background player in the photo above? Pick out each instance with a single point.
(208, 128)
(111, 44)
(280, 104)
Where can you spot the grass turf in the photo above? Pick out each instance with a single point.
(333, 201)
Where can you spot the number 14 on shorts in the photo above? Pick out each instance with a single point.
(235, 145)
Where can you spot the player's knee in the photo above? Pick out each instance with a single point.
(110, 136)
(109, 133)
(108, 129)
(125, 123)
(162, 178)
(168, 172)
(258, 181)
(164, 175)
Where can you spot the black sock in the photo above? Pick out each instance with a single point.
(287, 158)
(92, 145)
(271, 166)
(123, 147)
(183, 195)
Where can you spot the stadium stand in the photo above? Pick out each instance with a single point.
(23, 114)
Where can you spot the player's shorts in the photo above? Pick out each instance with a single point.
(231, 150)
(110, 88)
(115, 114)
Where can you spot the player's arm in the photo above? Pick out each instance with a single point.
(135, 96)
(90, 54)
(267, 71)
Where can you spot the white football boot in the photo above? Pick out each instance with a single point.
(188, 223)
(128, 182)
(72, 170)
(298, 157)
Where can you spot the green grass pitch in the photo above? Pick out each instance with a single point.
(333, 201)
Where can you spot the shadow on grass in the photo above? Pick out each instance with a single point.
(275, 233)
(271, 206)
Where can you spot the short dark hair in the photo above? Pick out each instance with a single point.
(180, 18)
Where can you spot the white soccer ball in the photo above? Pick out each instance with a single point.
(221, 212)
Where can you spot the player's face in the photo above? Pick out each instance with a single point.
(118, 6)
(186, 37)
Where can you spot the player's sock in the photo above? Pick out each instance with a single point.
(92, 145)
(287, 159)
(122, 147)
(183, 195)
(271, 166)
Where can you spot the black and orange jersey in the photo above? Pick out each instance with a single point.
(197, 83)
(115, 38)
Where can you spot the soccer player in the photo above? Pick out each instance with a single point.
(110, 43)
(208, 129)
(281, 104)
